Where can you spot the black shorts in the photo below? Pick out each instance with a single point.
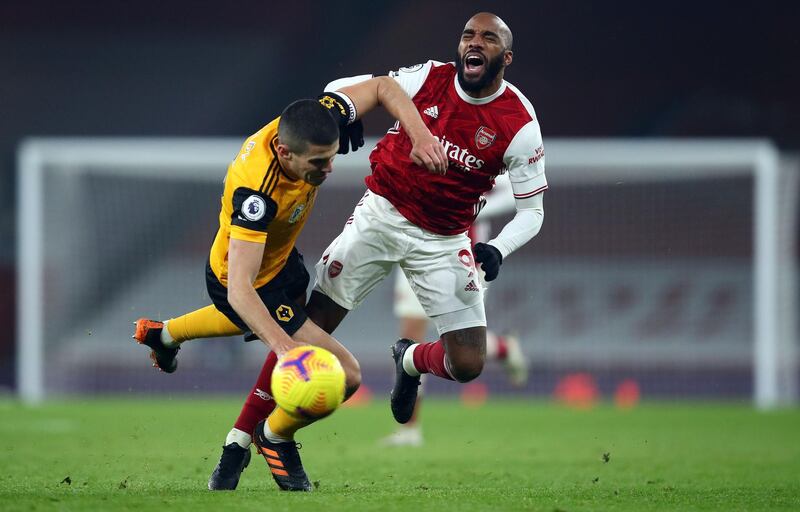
(282, 296)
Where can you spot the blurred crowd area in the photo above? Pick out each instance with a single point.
(180, 68)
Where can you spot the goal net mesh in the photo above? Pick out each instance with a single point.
(642, 280)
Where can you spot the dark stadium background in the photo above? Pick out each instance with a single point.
(182, 68)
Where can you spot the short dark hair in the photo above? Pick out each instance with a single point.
(306, 122)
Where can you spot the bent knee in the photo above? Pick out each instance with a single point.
(351, 385)
(465, 371)
(352, 371)
(466, 352)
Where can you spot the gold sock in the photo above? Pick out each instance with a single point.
(207, 322)
(283, 425)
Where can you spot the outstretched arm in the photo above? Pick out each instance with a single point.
(364, 96)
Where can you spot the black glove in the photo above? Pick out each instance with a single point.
(490, 259)
(351, 131)
(351, 135)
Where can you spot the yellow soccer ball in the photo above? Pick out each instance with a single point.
(308, 382)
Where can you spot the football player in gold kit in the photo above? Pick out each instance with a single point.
(255, 276)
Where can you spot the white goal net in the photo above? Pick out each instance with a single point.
(668, 263)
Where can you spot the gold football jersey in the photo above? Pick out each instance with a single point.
(261, 203)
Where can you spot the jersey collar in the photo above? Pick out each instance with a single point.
(477, 101)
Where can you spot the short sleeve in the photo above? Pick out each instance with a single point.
(524, 159)
(411, 78)
(252, 212)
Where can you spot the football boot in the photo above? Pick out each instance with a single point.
(148, 332)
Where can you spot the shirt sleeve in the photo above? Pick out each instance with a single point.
(411, 78)
(341, 83)
(524, 159)
(250, 206)
(253, 210)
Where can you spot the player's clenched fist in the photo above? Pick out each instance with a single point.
(490, 259)
(428, 152)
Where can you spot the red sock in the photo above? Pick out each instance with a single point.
(429, 358)
(502, 348)
(259, 403)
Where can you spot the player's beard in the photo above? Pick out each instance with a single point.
(491, 69)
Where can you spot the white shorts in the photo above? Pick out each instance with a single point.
(376, 238)
(406, 304)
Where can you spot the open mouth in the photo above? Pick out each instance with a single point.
(474, 63)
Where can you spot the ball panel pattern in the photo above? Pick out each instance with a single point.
(308, 382)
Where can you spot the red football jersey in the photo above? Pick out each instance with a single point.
(482, 137)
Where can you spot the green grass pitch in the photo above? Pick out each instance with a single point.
(507, 455)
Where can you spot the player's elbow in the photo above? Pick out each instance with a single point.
(532, 219)
(538, 220)
(384, 81)
(383, 85)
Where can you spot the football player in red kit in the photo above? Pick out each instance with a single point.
(487, 127)
(504, 348)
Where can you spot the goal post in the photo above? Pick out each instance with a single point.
(121, 190)
(773, 233)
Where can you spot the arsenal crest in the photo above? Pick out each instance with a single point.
(335, 269)
(484, 137)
